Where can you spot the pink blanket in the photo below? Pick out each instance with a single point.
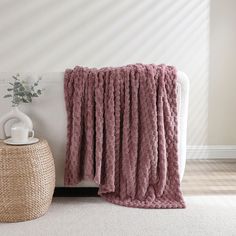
(122, 133)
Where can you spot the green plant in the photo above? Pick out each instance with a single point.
(21, 92)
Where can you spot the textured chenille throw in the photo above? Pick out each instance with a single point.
(122, 133)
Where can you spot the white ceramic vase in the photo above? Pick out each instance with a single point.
(22, 120)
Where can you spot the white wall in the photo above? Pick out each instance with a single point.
(222, 93)
(51, 35)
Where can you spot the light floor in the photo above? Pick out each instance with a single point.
(210, 192)
(204, 177)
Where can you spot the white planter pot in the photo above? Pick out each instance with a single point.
(22, 120)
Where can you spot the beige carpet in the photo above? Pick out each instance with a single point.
(205, 215)
(211, 211)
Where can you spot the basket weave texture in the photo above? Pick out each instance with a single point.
(27, 181)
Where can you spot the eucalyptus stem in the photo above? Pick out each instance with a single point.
(22, 92)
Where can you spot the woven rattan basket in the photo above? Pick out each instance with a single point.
(27, 181)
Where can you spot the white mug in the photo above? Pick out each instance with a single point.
(21, 134)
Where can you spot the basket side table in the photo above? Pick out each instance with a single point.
(27, 181)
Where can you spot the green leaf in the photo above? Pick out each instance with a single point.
(25, 101)
(9, 89)
(21, 94)
(8, 96)
(17, 85)
(22, 89)
(14, 77)
(17, 99)
(35, 95)
(39, 92)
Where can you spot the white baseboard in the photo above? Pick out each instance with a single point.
(211, 152)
